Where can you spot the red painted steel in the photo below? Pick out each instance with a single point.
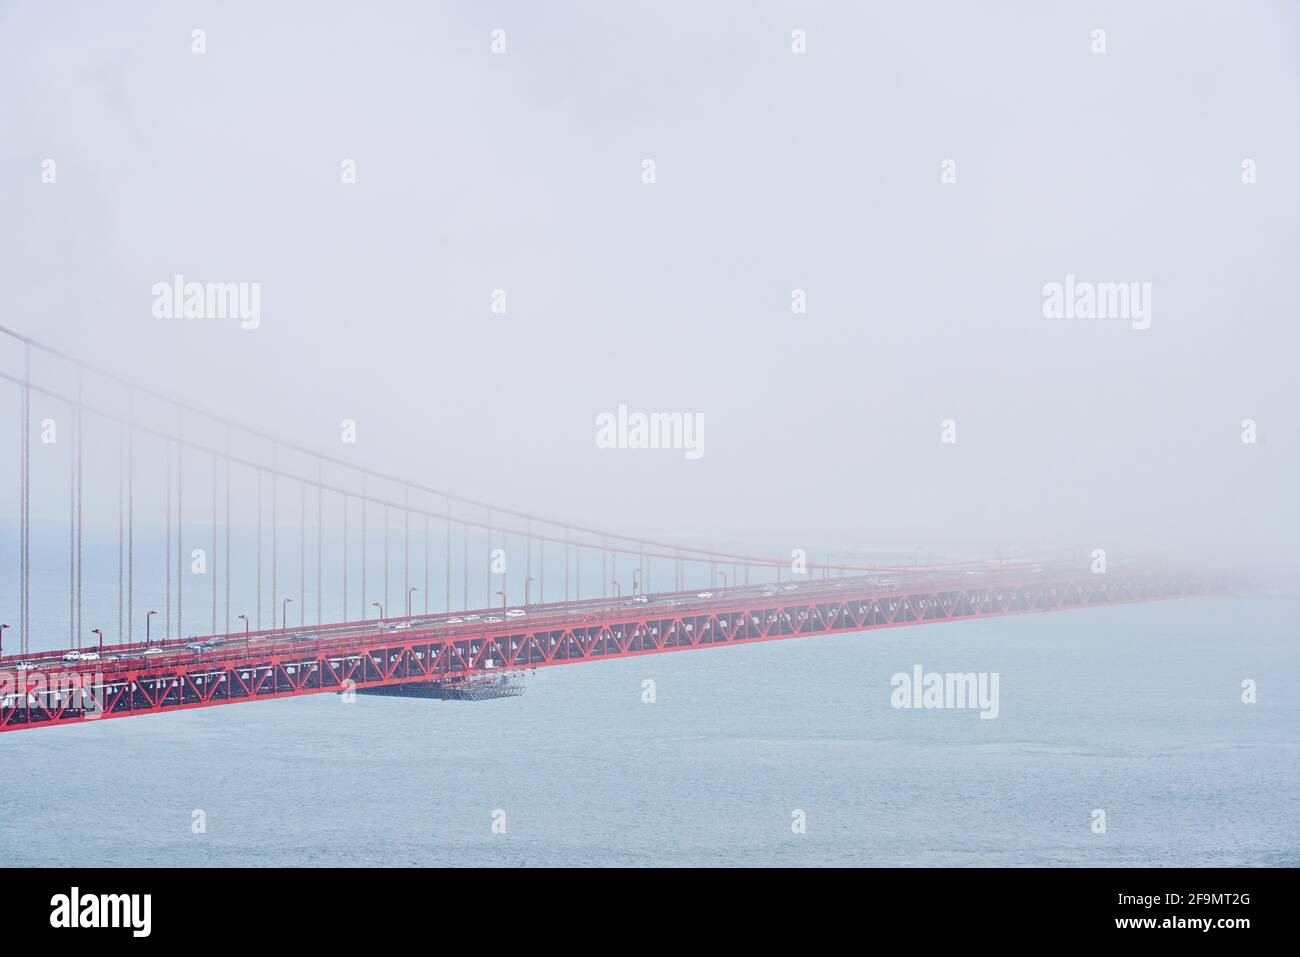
(273, 664)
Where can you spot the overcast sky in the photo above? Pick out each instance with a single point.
(775, 171)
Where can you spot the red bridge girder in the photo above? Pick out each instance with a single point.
(87, 691)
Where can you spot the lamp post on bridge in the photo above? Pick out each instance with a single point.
(527, 582)
(636, 573)
(246, 639)
(2, 639)
(618, 589)
(409, 593)
(723, 576)
(381, 609)
(96, 631)
(148, 621)
(284, 613)
(502, 593)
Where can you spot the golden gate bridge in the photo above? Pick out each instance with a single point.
(611, 595)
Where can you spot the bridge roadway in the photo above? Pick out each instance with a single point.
(132, 679)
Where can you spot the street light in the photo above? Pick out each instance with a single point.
(2, 639)
(284, 613)
(409, 593)
(245, 617)
(635, 584)
(526, 582)
(96, 631)
(148, 621)
(618, 589)
(502, 593)
(381, 609)
(723, 575)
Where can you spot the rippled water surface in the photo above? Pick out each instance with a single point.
(1135, 710)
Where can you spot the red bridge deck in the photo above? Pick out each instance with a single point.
(354, 655)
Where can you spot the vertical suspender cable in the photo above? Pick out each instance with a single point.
(320, 533)
(406, 546)
(258, 563)
(130, 517)
(167, 523)
(25, 466)
(180, 531)
(226, 513)
(121, 505)
(73, 634)
(275, 531)
(80, 507)
(364, 509)
(345, 556)
(302, 554)
(212, 560)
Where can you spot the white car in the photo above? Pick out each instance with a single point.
(640, 600)
(455, 621)
(24, 666)
(153, 651)
(90, 656)
(72, 656)
(705, 594)
(473, 617)
(516, 613)
(493, 620)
